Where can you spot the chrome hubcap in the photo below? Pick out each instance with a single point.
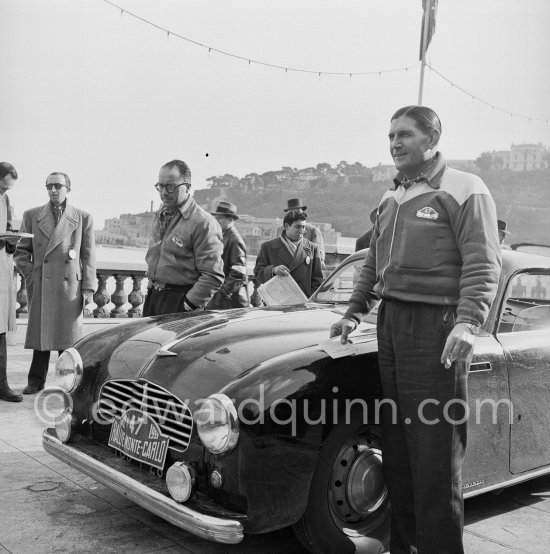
(357, 487)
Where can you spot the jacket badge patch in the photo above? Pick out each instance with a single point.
(427, 213)
(177, 241)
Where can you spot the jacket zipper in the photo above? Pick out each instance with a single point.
(392, 238)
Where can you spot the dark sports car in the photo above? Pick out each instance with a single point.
(234, 422)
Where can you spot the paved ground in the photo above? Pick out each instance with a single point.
(45, 506)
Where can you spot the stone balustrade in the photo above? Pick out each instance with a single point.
(121, 290)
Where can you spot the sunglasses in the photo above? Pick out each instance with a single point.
(58, 186)
(169, 187)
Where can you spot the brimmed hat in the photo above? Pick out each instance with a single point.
(226, 208)
(502, 226)
(294, 204)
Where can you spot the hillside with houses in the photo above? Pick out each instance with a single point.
(340, 197)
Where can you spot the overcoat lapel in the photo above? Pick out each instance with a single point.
(283, 253)
(67, 224)
(299, 257)
(45, 220)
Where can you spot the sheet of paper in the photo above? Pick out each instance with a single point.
(10, 235)
(335, 349)
(281, 291)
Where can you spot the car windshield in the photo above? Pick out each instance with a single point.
(338, 287)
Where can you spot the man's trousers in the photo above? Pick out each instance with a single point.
(424, 427)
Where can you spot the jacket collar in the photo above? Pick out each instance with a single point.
(56, 233)
(433, 176)
(187, 207)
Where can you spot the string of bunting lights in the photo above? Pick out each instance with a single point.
(350, 74)
(481, 101)
(251, 61)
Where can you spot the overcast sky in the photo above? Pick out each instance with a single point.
(108, 99)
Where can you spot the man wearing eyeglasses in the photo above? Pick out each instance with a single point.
(8, 176)
(184, 259)
(58, 265)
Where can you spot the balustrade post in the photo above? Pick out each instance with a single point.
(102, 297)
(136, 297)
(22, 297)
(119, 297)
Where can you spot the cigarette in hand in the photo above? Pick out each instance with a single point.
(448, 362)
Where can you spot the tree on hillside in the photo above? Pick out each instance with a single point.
(226, 180)
(485, 161)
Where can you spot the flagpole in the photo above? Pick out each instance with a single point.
(425, 24)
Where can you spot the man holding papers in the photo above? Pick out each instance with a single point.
(291, 254)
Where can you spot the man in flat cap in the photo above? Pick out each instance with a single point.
(311, 232)
(233, 293)
(58, 265)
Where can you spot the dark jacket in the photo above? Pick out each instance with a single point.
(364, 240)
(233, 293)
(435, 243)
(305, 267)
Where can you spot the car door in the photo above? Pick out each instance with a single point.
(486, 461)
(524, 333)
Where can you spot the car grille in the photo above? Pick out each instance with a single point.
(171, 414)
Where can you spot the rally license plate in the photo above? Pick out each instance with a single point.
(138, 436)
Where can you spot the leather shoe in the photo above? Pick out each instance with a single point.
(31, 389)
(10, 396)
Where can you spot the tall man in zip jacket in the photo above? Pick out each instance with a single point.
(434, 260)
(184, 259)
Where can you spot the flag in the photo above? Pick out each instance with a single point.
(428, 24)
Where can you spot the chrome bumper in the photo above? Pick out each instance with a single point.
(224, 530)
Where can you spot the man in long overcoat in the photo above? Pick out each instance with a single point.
(58, 265)
(8, 176)
(291, 254)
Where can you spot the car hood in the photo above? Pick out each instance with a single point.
(195, 356)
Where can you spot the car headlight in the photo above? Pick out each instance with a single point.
(69, 370)
(218, 424)
(65, 425)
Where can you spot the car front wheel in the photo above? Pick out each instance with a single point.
(348, 507)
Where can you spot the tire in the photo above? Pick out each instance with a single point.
(348, 508)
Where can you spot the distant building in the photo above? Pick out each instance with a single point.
(522, 157)
(463, 165)
(126, 230)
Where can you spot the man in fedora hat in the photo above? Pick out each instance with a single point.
(311, 232)
(502, 233)
(233, 293)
